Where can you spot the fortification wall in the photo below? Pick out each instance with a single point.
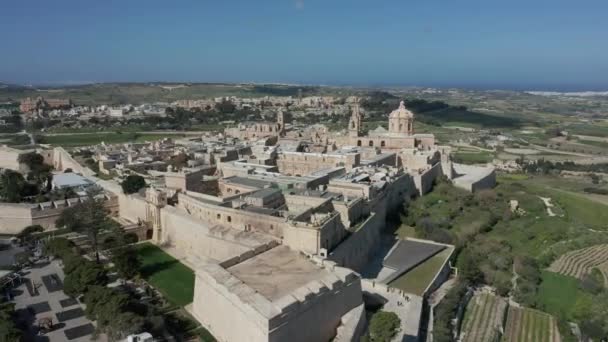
(132, 207)
(62, 160)
(14, 217)
(356, 250)
(191, 237)
(474, 178)
(352, 325)
(235, 218)
(318, 318)
(9, 158)
(424, 181)
(311, 313)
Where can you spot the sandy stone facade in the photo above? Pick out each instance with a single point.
(291, 222)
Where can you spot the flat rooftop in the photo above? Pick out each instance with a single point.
(68, 180)
(277, 272)
(408, 253)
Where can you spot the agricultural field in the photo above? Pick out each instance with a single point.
(478, 157)
(580, 262)
(528, 325)
(483, 318)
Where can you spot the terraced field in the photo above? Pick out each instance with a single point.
(528, 325)
(483, 318)
(580, 262)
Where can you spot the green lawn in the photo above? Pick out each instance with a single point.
(418, 279)
(558, 293)
(172, 278)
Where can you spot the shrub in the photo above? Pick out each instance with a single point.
(133, 184)
(383, 326)
(59, 247)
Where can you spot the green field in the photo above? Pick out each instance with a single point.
(481, 157)
(558, 293)
(96, 138)
(418, 279)
(172, 278)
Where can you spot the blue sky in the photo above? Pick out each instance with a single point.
(489, 43)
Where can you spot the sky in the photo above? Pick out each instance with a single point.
(535, 44)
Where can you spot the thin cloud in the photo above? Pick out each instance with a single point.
(299, 5)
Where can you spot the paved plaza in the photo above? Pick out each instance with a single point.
(40, 296)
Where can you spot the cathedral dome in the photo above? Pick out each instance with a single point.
(401, 112)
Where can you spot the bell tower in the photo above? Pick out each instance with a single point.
(280, 123)
(354, 124)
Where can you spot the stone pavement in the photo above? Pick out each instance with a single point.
(48, 304)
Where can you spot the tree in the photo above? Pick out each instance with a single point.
(132, 184)
(12, 185)
(89, 217)
(110, 309)
(468, 267)
(86, 274)
(32, 160)
(59, 247)
(127, 261)
(8, 329)
(26, 234)
(383, 326)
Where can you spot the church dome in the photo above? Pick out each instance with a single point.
(401, 112)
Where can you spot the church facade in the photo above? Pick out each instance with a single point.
(400, 132)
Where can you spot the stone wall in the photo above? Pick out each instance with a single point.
(205, 242)
(312, 313)
(9, 158)
(62, 160)
(473, 178)
(300, 163)
(238, 219)
(14, 217)
(424, 181)
(356, 250)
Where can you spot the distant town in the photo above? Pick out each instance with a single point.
(353, 216)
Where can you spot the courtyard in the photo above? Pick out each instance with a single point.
(40, 301)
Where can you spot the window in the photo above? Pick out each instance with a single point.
(229, 219)
(382, 143)
(219, 216)
(359, 143)
(371, 143)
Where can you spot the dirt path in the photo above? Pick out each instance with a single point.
(548, 205)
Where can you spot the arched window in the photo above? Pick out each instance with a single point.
(358, 142)
(382, 143)
(219, 216)
(371, 143)
(237, 192)
(229, 219)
